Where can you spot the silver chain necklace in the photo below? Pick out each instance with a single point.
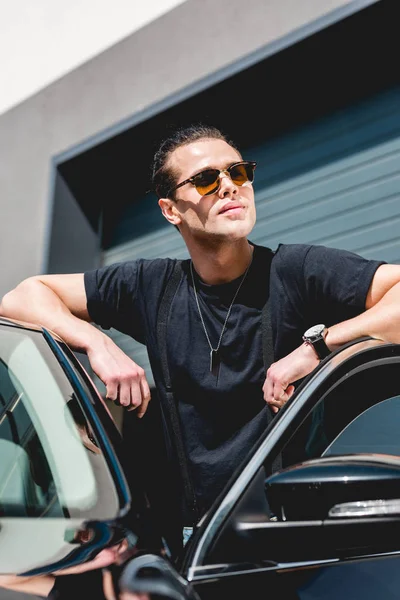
(215, 360)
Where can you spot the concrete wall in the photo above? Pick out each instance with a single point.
(184, 51)
(28, 29)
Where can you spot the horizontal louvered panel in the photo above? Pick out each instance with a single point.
(336, 184)
(325, 229)
(165, 242)
(340, 184)
(342, 134)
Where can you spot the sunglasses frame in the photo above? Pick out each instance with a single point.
(252, 163)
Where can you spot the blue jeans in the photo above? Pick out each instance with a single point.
(187, 532)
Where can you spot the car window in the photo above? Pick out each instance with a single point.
(51, 463)
(375, 430)
(360, 413)
(27, 487)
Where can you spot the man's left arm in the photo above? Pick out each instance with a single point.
(381, 320)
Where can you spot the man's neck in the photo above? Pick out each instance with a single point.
(223, 263)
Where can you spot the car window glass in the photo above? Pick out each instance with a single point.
(51, 464)
(27, 487)
(375, 430)
(360, 413)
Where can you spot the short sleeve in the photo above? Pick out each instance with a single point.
(112, 294)
(315, 284)
(327, 283)
(338, 277)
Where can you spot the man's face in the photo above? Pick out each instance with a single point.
(229, 213)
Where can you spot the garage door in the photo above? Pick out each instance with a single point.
(335, 182)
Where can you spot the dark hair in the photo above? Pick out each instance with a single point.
(163, 177)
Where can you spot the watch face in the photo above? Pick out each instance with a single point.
(315, 330)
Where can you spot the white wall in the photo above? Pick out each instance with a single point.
(42, 40)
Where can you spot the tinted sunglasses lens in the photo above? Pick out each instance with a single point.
(241, 173)
(207, 182)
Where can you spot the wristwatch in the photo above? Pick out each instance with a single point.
(315, 337)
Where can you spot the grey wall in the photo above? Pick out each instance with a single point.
(182, 52)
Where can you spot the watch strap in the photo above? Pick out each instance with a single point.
(320, 348)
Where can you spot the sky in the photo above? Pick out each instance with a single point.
(42, 40)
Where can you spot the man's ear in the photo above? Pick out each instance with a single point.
(170, 211)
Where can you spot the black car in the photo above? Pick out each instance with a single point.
(324, 525)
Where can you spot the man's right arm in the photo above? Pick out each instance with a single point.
(59, 303)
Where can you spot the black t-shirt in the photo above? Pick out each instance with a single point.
(223, 417)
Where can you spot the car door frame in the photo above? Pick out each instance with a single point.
(344, 361)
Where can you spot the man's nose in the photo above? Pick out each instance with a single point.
(226, 181)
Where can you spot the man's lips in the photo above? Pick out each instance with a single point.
(230, 206)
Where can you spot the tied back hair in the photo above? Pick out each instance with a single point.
(163, 177)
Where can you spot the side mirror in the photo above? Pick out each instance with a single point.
(336, 487)
(330, 508)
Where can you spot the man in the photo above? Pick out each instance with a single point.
(214, 333)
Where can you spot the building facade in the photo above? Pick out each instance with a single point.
(310, 90)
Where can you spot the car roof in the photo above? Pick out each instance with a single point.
(19, 324)
(28, 327)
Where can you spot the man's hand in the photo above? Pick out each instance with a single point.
(277, 387)
(125, 381)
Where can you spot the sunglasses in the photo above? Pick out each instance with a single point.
(208, 182)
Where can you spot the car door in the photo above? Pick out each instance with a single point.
(58, 470)
(350, 405)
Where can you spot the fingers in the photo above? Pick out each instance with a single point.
(131, 391)
(112, 388)
(128, 392)
(125, 396)
(280, 397)
(125, 381)
(146, 397)
(276, 393)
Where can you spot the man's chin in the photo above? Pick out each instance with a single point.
(236, 229)
(232, 230)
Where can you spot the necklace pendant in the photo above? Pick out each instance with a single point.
(214, 362)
